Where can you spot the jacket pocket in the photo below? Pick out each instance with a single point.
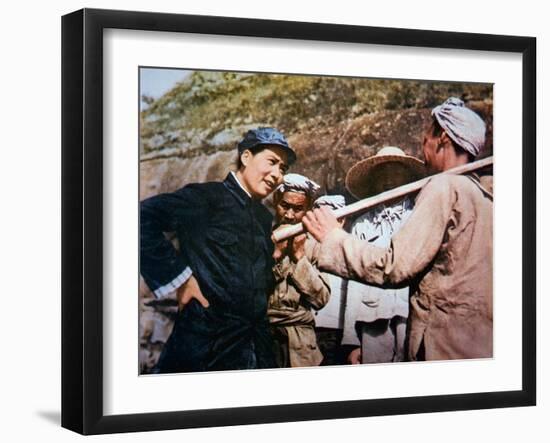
(221, 236)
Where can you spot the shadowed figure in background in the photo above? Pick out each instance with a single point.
(376, 318)
(329, 320)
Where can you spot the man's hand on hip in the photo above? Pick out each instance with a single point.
(188, 291)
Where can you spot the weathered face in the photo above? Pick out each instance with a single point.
(291, 207)
(262, 172)
(433, 152)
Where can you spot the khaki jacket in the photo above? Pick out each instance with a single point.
(300, 287)
(445, 252)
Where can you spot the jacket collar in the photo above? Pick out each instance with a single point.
(233, 185)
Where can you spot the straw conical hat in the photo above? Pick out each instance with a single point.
(358, 182)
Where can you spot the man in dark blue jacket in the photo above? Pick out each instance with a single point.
(222, 273)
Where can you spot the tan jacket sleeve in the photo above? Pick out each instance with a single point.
(411, 250)
(311, 283)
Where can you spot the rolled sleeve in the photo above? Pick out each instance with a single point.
(172, 286)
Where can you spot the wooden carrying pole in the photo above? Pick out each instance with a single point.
(370, 202)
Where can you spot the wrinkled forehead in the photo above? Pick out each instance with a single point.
(295, 198)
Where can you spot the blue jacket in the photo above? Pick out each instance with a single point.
(225, 240)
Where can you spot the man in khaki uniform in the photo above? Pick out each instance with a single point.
(444, 250)
(299, 285)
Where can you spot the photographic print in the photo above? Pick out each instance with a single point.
(243, 263)
(250, 205)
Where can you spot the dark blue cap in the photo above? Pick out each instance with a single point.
(266, 136)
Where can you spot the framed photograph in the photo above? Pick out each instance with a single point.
(190, 142)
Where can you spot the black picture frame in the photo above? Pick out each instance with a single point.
(82, 218)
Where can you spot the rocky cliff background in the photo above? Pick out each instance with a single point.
(190, 134)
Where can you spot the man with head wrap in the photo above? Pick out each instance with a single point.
(299, 286)
(444, 250)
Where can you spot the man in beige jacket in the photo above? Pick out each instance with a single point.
(299, 285)
(444, 251)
